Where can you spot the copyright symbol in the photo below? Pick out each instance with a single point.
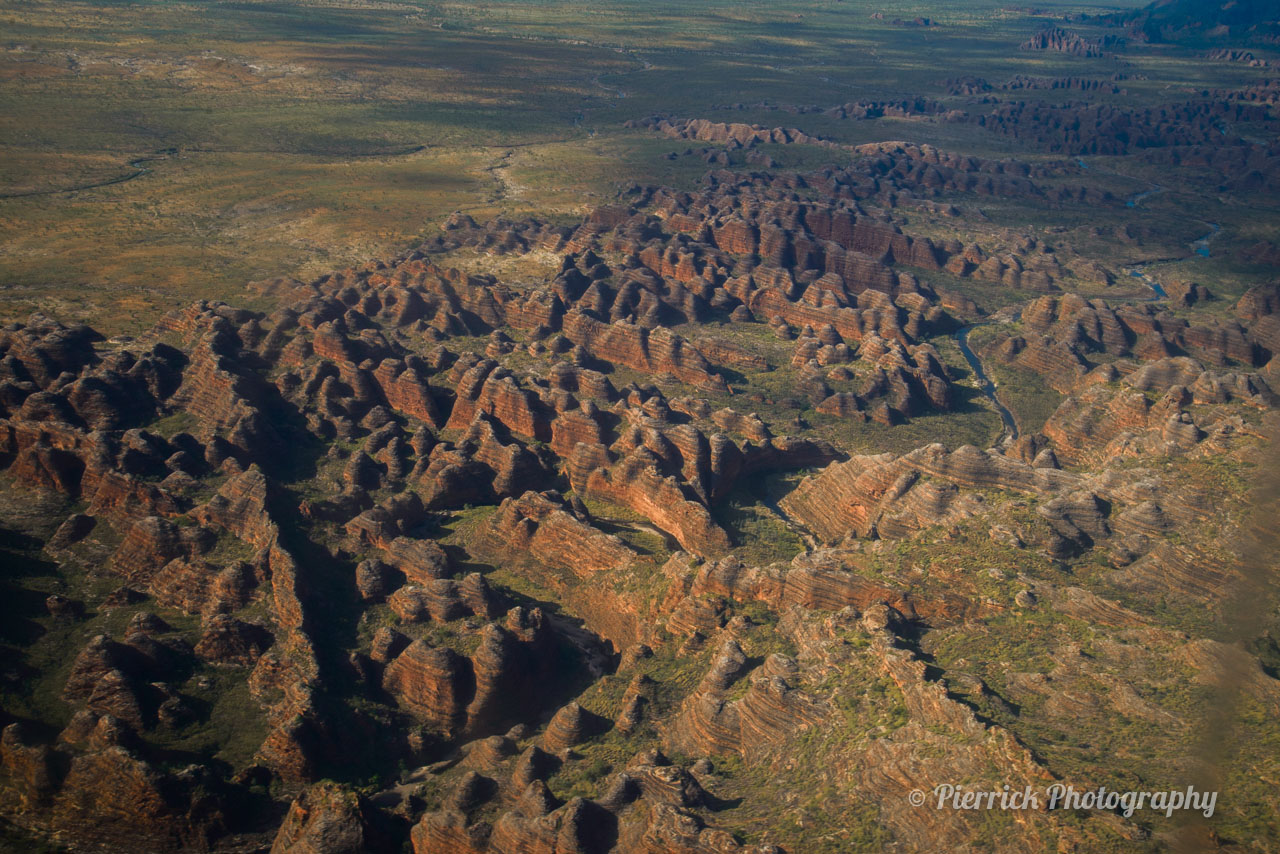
(916, 798)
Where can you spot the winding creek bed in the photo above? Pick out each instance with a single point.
(985, 385)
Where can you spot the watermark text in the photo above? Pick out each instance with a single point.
(1062, 796)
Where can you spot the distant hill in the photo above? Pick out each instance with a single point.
(1166, 20)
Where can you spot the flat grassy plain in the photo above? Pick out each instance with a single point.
(263, 138)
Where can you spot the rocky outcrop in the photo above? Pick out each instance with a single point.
(226, 640)
(649, 807)
(891, 497)
(635, 482)
(569, 726)
(740, 134)
(657, 351)
(769, 712)
(1100, 425)
(434, 683)
(111, 797)
(816, 581)
(1063, 41)
(482, 693)
(545, 526)
(325, 819)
